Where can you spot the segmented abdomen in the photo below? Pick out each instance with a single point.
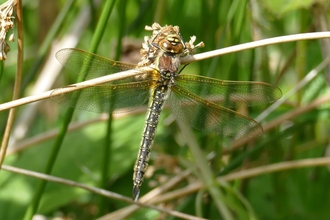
(155, 106)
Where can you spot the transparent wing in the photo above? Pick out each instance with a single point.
(208, 116)
(204, 103)
(93, 65)
(106, 98)
(230, 94)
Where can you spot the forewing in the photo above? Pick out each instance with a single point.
(92, 65)
(230, 94)
(209, 116)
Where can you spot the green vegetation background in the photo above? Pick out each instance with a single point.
(293, 194)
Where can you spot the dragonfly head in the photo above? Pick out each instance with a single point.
(172, 44)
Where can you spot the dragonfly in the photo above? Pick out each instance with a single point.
(205, 103)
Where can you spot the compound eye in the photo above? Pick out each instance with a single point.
(165, 45)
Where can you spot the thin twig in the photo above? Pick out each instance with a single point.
(287, 165)
(272, 124)
(243, 174)
(255, 44)
(150, 197)
(96, 190)
(71, 88)
(311, 75)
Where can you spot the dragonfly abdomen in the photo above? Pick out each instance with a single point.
(155, 106)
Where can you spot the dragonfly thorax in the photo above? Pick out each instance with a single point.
(168, 66)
